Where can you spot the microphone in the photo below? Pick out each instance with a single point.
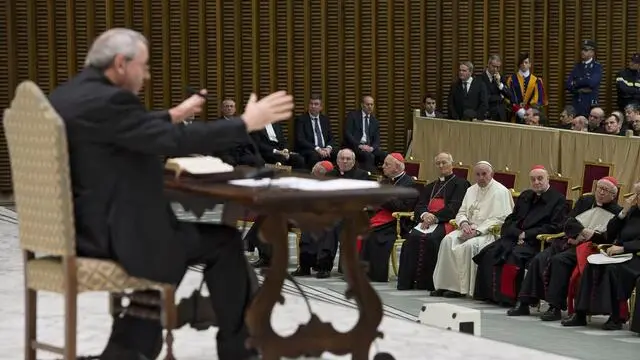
(192, 91)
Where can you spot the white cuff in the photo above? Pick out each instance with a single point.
(622, 214)
(501, 86)
(317, 148)
(521, 113)
(422, 215)
(275, 151)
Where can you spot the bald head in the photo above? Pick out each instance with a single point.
(444, 163)
(483, 172)
(367, 104)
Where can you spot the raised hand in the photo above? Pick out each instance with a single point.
(272, 108)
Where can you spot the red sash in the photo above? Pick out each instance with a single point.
(582, 253)
(382, 216)
(435, 205)
(508, 280)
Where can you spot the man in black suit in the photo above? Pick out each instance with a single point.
(496, 89)
(429, 108)
(245, 151)
(121, 212)
(313, 139)
(468, 95)
(362, 135)
(272, 145)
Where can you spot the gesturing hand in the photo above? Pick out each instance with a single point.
(271, 108)
(188, 108)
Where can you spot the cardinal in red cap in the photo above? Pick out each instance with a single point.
(501, 265)
(377, 247)
(321, 168)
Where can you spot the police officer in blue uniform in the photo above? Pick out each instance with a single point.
(584, 80)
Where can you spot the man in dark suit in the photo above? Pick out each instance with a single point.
(429, 108)
(313, 139)
(468, 95)
(362, 135)
(244, 151)
(273, 147)
(121, 212)
(496, 88)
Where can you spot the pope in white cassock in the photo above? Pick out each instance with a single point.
(486, 204)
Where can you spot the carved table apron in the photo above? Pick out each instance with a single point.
(309, 211)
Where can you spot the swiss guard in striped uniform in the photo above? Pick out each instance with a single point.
(527, 90)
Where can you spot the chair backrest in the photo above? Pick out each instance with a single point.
(559, 184)
(507, 178)
(412, 167)
(279, 167)
(594, 171)
(37, 143)
(462, 171)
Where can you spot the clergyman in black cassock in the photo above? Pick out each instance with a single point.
(120, 209)
(604, 287)
(378, 244)
(442, 199)
(501, 264)
(551, 283)
(635, 321)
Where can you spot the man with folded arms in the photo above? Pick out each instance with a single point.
(439, 203)
(607, 285)
(549, 272)
(377, 246)
(121, 212)
(538, 210)
(486, 204)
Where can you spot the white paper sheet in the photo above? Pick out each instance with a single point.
(428, 230)
(306, 184)
(602, 259)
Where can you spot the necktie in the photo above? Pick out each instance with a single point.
(465, 85)
(366, 124)
(316, 129)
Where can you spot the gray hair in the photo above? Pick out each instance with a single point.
(494, 57)
(468, 64)
(347, 151)
(449, 157)
(113, 42)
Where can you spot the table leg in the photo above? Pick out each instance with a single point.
(315, 337)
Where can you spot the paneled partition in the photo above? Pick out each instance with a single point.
(395, 50)
(519, 147)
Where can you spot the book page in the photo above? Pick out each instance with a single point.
(306, 184)
(198, 165)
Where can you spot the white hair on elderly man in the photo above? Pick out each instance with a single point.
(113, 42)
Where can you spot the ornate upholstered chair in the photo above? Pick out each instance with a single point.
(462, 171)
(37, 144)
(507, 178)
(395, 264)
(593, 171)
(561, 185)
(412, 167)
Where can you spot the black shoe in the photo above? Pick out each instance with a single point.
(197, 311)
(114, 351)
(452, 294)
(438, 293)
(575, 320)
(323, 274)
(261, 263)
(301, 271)
(612, 324)
(552, 314)
(520, 309)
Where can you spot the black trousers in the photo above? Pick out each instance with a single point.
(369, 160)
(230, 282)
(311, 158)
(560, 271)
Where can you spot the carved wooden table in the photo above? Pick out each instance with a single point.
(310, 211)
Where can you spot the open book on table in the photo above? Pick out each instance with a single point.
(198, 166)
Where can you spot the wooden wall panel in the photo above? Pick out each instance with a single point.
(394, 50)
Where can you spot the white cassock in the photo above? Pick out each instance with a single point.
(484, 208)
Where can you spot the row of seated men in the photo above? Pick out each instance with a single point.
(313, 139)
(493, 252)
(318, 250)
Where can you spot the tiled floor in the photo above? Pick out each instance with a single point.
(326, 294)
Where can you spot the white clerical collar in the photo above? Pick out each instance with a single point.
(525, 74)
(433, 114)
(588, 61)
